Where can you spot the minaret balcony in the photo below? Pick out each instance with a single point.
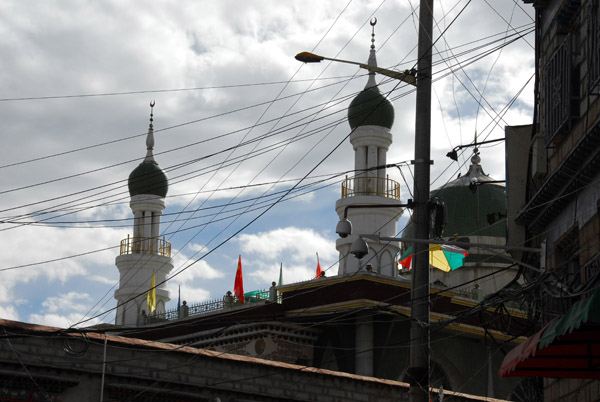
(376, 186)
(149, 245)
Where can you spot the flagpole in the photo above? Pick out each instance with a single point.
(151, 298)
(179, 302)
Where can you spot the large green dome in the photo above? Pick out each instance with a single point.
(468, 210)
(475, 206)
(371, 108)
(148, 178)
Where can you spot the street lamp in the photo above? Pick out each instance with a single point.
(408, 76)
(418, 370)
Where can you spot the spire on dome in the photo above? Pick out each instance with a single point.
(372, 58)
(474, 175)
(476, 172)
(148, 177)
(370, 107)
(150, 138)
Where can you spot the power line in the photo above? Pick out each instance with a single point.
(153, 91)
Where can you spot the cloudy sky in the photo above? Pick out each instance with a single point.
(238, 121)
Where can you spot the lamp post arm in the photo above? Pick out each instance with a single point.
(405, 76)
(453, 243)
(541, 251)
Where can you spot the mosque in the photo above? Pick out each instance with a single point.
(358, 320)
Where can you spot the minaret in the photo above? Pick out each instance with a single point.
(145, 252)
(371, 116)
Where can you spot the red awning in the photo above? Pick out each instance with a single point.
(567, 347)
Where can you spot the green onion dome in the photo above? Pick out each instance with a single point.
(371, 108)
(148, 178)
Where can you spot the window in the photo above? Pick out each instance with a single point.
(556, 89)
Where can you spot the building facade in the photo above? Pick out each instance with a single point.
(559, 209)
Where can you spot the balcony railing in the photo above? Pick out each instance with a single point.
(364, 185)
(151, 245)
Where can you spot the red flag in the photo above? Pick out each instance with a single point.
(319, 271)
(238, 287)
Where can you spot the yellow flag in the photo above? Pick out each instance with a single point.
(152, 295)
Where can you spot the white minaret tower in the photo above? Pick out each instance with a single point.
(371, 116)
(145, 253)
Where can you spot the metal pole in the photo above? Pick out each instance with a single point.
(103, 369)
(418, 369)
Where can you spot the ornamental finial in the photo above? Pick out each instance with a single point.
(150, 138)
(372, 59)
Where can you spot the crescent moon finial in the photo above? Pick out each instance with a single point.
(373, 22)
(152, 103)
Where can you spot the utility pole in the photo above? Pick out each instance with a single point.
(418, 369)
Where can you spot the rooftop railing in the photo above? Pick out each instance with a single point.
(228, 301)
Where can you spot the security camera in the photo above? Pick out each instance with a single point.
(344, 228)
(359, 248)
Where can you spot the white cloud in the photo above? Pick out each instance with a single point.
(107, 280)
(69, 301)
(291, 274)
(190, 294)
(291, 243)
(64, 310)
(199, 270)
(296, 248)
(59, 320)
(9, 313)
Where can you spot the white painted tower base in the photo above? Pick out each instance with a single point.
(136, 277)
(383, 221)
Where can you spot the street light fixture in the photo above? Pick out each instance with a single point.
(454, 153)
(408, 76)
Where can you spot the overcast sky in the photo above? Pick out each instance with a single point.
(77, 78)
